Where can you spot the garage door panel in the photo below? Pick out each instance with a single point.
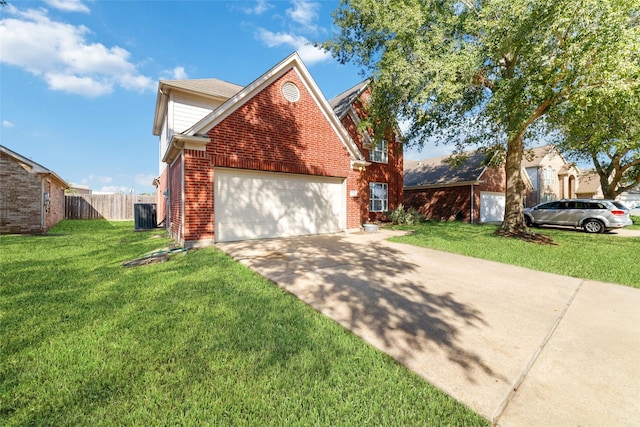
(255, 205)
(492, 207)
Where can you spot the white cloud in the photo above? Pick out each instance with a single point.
(60, 54)
(145, 180)
(68, 5)
(304, 12)
(178, 73)
(260, 7)
(309, 53)
(86, 86)
(7, 124)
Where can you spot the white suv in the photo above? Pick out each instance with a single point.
(594, 216)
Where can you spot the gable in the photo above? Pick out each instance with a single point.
(292, 64)
(270, 132)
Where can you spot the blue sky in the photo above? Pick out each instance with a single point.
(78, 79)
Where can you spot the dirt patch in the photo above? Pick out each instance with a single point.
(527, 236)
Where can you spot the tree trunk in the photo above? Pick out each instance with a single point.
(513, 210)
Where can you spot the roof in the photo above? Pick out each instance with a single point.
(342, 103)
(438, 171)
(33, 167)
(588, 183)
(212, 87)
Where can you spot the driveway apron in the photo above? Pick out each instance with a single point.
(519, 347)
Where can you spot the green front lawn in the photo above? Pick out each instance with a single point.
(636, 223)
(601, 257)
(197, 340)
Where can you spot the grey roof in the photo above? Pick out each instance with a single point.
(213, 87)
(343, 102)
(437, 171)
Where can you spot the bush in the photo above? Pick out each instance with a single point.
(400, 216)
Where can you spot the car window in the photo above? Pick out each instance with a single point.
(547, 206)
(620, 206)
(594, 205)
(577, 205)
(558, 205)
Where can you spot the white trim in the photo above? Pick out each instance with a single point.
(178, 143)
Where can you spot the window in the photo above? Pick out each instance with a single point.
(377, 197)
(548, 176)
(379, 153)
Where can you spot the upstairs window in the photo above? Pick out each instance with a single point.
(378, 200)
(380, 152)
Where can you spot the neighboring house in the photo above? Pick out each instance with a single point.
(470, 191)
(31, 196)
(550, 174)
(589, 186)
(271, 159)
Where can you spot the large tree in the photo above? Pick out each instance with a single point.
(603, 128)
(490, 70)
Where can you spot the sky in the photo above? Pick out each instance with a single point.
(79, 78)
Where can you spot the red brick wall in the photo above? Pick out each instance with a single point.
(391, 173)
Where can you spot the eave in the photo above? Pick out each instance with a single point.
(180, 142)
(444, 185)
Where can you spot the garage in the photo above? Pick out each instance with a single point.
(491, 207)
(258, 205)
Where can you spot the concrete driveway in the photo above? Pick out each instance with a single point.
(519, 347)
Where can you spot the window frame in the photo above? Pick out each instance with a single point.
(380, 152)
(373, 197)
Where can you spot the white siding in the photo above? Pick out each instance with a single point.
(187, 111)
(164, 143)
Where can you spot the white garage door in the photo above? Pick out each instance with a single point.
(491, 207)
(258, 205)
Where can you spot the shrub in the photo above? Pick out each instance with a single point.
(400, 216)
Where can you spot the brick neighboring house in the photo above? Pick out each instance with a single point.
(271, 159)
(471, 191)
(31, 196)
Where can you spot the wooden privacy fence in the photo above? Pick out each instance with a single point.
(114, 207)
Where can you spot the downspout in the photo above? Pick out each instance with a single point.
(472, 200)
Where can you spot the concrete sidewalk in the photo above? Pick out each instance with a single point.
(519, 347)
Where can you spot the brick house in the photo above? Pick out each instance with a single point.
(31, 196)
(271, 159)
(472, 190)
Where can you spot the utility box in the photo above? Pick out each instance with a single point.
(144, 216)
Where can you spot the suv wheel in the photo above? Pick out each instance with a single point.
(593, 226)
(527, 221)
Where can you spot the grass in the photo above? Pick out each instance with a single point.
(197, 340)
(636, 223)
(600, 257)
